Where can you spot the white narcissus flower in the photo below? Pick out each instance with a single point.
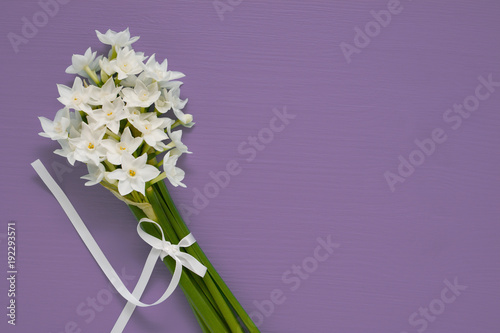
(128, 62)
(88, 147)
(110, 115)
(96, 174)
(76, 97)
(174, 174)
(189, 124)
(115, 150)
(108, 92)
(169, 84)
(163, 104)
(176, 141)
(134, 174)
(107, 66)
(132, 79)
(133, 114)
(170, 100)
(141, 96)
(67, 150)
(159, 72)
(136, 118)
(79, 62)
(153, 130)
(116, 39)
(57, 129)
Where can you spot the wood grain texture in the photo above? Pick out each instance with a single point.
(323, 174)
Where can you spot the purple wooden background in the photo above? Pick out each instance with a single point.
(322, 175)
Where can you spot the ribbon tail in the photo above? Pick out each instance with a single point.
(90, 242)
(187, 241)
(192, 263)
(129, 308)
(84, 233)
(181, 259)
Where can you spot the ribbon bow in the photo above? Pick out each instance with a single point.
(165, 249)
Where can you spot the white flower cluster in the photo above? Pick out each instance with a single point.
(114, 122)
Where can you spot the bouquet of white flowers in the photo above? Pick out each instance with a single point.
(114, 120)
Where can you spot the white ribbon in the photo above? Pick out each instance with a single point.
(160, 249)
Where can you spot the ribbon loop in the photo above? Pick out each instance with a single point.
(169, 249)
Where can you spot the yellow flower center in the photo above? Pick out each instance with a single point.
(131, 173)
(123, 148)
(91, 145)
(109, 113)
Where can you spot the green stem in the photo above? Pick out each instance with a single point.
(110, 166)
(161, 176)
(145, 148)
(200, 304)
(196, 249)
(165, 221)
(199, 319)
(104, 76)
(113, 135)
(109, 186)
(92, 74)
(176, 123)
(201, 282)
(113, 53)
(213, 304)
(136, 196)
(210, 283)
(158, 152)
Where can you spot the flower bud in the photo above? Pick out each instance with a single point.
(189, 118)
